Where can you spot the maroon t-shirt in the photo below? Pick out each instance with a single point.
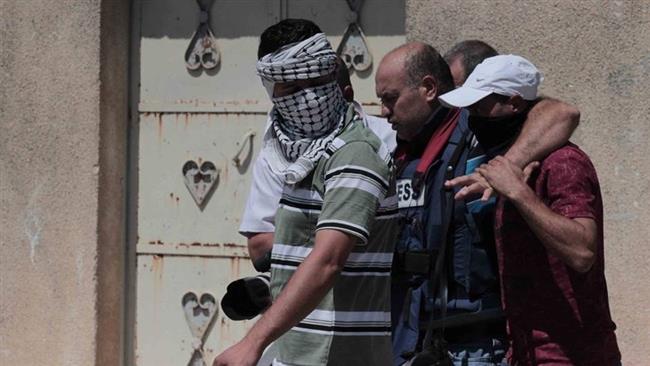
(556, 316)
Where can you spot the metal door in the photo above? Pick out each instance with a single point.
(194, 136)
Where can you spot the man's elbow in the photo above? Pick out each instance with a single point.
(559, 110)
(259, 244)
(332, 265)
(568, 114)
(331, 250)
(573, 115)
(583, 261)
(584, 245)
(332, 269)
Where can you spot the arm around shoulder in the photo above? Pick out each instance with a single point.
(549, 125)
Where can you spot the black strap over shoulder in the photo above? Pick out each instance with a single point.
(438, 277)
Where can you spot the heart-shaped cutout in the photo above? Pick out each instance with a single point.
(200, 181)
(200, 313)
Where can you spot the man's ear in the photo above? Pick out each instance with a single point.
(430, 88)
(517, 103)
(348, 93)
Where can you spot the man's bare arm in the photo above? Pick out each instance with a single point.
(549, 125)
(304, 291)
(571, 240)
(259, 244)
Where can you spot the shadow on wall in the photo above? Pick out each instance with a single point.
(248, 18)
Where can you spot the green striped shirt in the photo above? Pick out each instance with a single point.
(351, 190)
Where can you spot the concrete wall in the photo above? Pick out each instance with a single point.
(63, 71)
(596, 55)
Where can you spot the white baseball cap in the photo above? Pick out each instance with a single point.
(503, 74)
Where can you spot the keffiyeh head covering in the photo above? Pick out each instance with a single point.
(307, 59)
(305, 122)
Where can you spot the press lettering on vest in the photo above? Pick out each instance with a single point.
(406, 196)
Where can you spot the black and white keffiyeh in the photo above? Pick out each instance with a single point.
(308, 59)
(304, 123)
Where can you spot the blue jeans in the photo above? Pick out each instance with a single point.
(488, 352)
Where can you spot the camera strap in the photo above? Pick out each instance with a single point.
(438, 277)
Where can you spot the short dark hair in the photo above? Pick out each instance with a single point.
(426, 60)
(285, 32)
(473, 52)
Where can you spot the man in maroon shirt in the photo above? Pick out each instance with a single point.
(549, 228)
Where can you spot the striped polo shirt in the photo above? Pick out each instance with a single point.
(352, 189)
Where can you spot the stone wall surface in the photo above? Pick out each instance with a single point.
(595, 55)
(61, 153)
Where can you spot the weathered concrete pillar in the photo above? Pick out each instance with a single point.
(596, 55)
(63, 115)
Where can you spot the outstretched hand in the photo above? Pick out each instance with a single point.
(498, 171)
(473, 184)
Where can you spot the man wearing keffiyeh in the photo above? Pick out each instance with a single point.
(308, 105)
(336, 224)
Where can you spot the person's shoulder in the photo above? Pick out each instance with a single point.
(359, 152)
(358, 143)
(380, 127)
(358, 149)
(376, 122)
(568, 162)
(262, 167)
(357, 134)
(569, 153)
